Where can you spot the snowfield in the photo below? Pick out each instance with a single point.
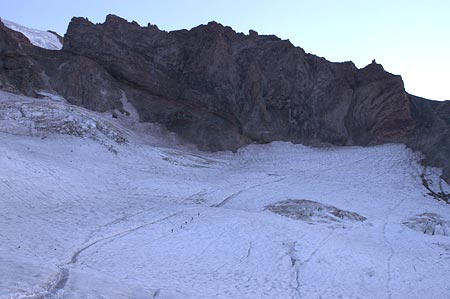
(86, 214)
(42, 39)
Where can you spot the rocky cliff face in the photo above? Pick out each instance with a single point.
(221, 90)
(432, 133)
(26, 69)
(217, 88)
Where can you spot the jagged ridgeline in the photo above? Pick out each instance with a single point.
(221, 90)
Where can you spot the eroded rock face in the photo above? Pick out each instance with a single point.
(221, 90)
(432, 134)
(26, 69)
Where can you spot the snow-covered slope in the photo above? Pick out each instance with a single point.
(153, 220)
(43, 39)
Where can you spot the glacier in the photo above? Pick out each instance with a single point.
(121, 209)
(39, 38)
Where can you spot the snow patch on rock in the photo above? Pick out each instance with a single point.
(39, 38)
(51, 96)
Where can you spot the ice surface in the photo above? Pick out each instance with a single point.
(43, 39)
(156, 220)
(40, 117)
(429, 223)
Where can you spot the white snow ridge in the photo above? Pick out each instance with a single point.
(43, 39)
(91, 207)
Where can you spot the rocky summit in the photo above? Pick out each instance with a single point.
(221, 90)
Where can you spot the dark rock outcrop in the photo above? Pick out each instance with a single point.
(432, 134)
(25, 69)
(220, 89)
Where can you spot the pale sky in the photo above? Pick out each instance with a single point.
(410, 38)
